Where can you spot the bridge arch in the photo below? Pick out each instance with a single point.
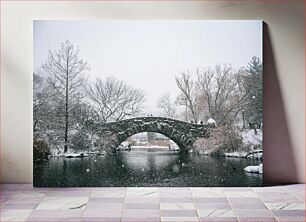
(167, 136)
(184, 134)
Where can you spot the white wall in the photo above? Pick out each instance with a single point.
(285, 21)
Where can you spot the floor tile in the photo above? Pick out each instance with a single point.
(20, 206)
(68, 193)
(142, 200)
(3, 200)
(54, 219)
(289, 213)
(253, 213)
(14, 214)
(224, 205)
(115, 206)
(62, 203)
(107, 193)
(246, 200)
(274, 197)
(25, 194)
(141, 206)
(101, 219)
(10, 186)
(140, 219)
(246, 203)
(179, 219)
(174, 189)
(278, 189)
(49, 214)
(176, 200)
(300, 195)
(240, 193)
(23, 202)
(216, 213)
(210, 200)
(177, 206)
(239, 189)
(142, 213)
(105, 200)
(175, 192)
(256, 219)
(202, 192)
(103, 213)
(218, 219)
(285, 206)
(248, 206)
(108, 189)
(179, 213)
(291, 219)
(137, 192)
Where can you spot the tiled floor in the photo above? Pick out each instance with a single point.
(22, 202)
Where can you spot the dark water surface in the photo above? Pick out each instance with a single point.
(142, 168)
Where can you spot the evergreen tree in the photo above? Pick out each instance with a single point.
(254, 88)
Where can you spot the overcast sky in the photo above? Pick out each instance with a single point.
(148, 54)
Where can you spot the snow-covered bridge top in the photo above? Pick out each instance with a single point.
(182, 133)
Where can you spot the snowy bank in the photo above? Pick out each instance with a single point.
(250, 138)
(78, 155)
(254, 169)
(173, 146)
(236, 154)
(96, 153)
(75, 155)
(124, 146)
(211, 122)
(255, 154)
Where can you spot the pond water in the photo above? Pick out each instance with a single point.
(145, 168)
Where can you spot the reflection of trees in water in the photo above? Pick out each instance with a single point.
(64, 177)
(147, 167)
(221, 171)
(151, 169)
(38, 173)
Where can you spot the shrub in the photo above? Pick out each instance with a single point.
(231, 139)
(80, 141)
(222, 139)
(41, 149)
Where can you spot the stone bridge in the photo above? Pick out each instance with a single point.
(184, 134)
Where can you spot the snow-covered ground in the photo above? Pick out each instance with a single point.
(254, 169)
(174, 146)
(211, 121)
(149, 147)
(236, 154)
(256, 155)
(75, 155)
(124, 146)
(250, 138)
(78, 154)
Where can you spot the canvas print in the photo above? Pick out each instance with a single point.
(147, 103)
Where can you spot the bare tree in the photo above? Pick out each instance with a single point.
(223, 93)
(40, 99)
(114, 99)
(188, 95)
(66, 75)
(166, 106)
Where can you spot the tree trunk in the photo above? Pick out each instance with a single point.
(66, 113)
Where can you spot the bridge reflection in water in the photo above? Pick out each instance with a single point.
(142, 168)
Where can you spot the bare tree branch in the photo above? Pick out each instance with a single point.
(114, 99)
